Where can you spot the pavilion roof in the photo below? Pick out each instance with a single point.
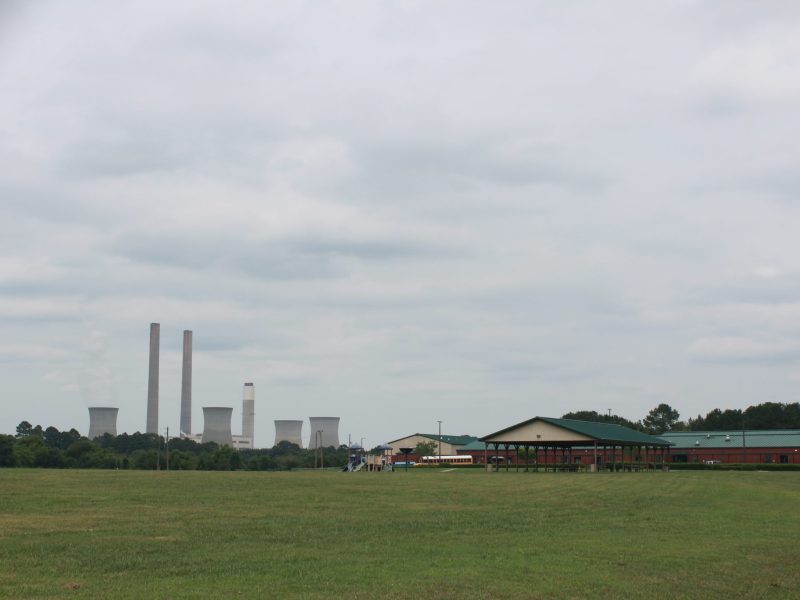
(606, 433)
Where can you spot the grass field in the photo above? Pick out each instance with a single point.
(460, 534)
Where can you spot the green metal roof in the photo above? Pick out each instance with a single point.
(768, 438)
(474, 446)
(455, 440)
(602, 432)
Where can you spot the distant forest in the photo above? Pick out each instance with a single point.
(33, 446)
(663, 418)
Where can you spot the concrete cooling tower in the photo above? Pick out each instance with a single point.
(248, 411)
(330, 431)
(151, 425)
(217, 425)
(102, 420)
(289, 431)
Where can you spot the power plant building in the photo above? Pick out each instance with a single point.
(324, 432)
(186, 384)
(289, 431)
(217, 425)
(102, 420)
(152, 380)
(248, 412)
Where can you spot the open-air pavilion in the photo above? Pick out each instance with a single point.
(568, 444)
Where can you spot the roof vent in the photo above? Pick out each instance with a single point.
(708, 436)
(727, 438)
(697, 442)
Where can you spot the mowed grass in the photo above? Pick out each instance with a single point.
(421, 534)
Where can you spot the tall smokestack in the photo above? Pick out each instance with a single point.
(186, 384)
(248, 411)
(152, 381)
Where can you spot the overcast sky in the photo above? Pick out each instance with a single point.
(399, 212)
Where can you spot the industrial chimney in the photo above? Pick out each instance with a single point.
(186, 385)
(248, 412)
(289, 431)
(152, 380)
(102, 420)
(329, 426)
(217, 425)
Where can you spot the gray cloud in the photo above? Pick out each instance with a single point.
(437, 206)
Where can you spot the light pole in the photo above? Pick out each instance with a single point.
(440, 441)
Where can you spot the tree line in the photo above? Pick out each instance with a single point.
(663, 418)
(33, 446)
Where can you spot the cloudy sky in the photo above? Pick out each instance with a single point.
(399, 212)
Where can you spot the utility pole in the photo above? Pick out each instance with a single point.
(744, 441)
(166, 448)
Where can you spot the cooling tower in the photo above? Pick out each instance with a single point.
(289, 431)
(330, 431)
(217, 425)
(186, 384)
(248, 411)
(102, 420)
(152, 380)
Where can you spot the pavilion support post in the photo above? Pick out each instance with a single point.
(506, 458)
(640, 457)
(527, 457)
(516, 458)
(613, 458)
(595, 457)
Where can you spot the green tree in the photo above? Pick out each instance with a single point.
(661, 419)
(7, 451)
(426, 448)
(27, 449)
(24, 429)
(717, 420)
(772, 415)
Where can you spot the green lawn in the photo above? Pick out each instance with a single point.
(422, 534)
